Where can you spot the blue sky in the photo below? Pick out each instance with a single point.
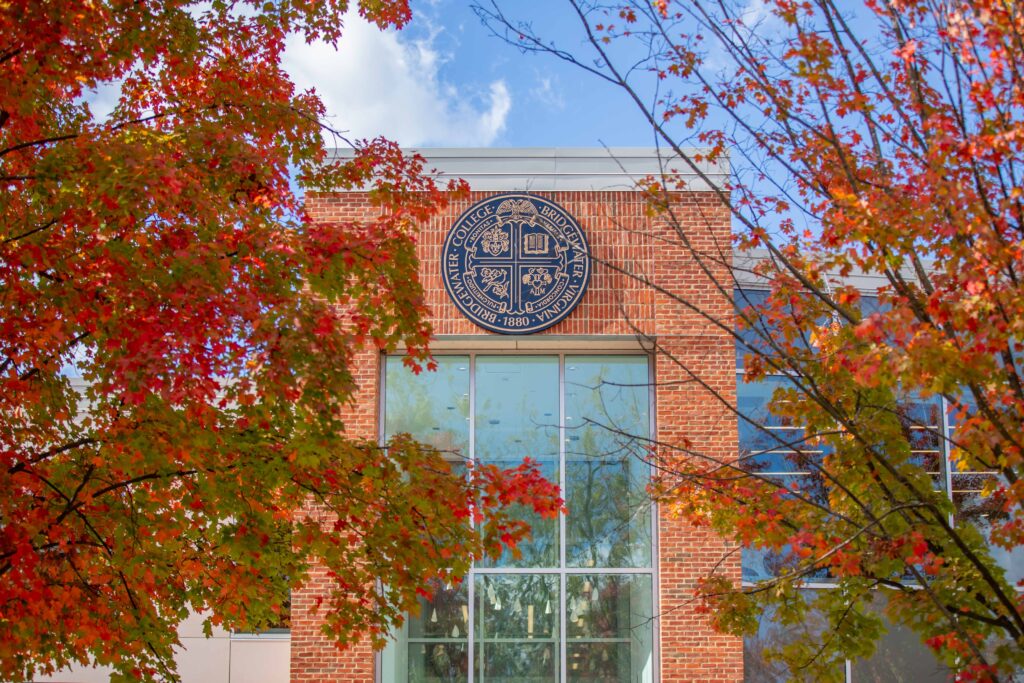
(445, 81)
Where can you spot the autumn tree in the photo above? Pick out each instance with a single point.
(879, 142)
(177, 339)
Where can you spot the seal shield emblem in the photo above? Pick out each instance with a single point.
(515, 263)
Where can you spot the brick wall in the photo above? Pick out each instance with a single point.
(623, 237)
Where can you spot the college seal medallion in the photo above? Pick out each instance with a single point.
(515, 263)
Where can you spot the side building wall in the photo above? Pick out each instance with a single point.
(616, 309)
(224, 657)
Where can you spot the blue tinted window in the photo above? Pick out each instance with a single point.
(749, 339)
(768, 442)
(432, 406)
(607, 427)
(517, 417)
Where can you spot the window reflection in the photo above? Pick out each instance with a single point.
(607, 417)
(758, 667)
(444, 616)
(609, 627)
(433, 407)
(433, 645)
(901, 657)
(770, 443)
(438, 663)
(516, 408)
(517, 417)
(751, 340)
(921, 420)
(979, 502)
(775, 447)
(760, 564)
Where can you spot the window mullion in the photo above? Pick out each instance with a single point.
(655, 556)
(471, 591)
(563, 649)
(947, 463)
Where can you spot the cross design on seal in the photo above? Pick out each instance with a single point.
(533, 257)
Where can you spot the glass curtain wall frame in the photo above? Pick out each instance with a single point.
(570, 580)
(900, 652)
(932, 433)
(937, 427)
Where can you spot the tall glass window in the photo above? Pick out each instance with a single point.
(775, 448)
(577, 604)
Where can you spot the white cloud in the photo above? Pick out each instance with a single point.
(756, 13)
(375, 83)
(103, 99)
(757, 24)
(548, 92)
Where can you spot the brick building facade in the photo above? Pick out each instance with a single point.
(619, 314)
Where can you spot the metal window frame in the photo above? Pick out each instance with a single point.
(562, 571)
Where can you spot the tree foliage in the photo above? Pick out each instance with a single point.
(161, 253)
(881, 140)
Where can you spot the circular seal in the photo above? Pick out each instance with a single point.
(515, 263)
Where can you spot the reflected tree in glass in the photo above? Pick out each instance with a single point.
(981, 503)
(609, 628)
(433, 645)
(900, 657)
(773, 635)
(607, 419)
(517, 417)
(433, 407)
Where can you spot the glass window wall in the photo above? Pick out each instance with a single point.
(578, 604)
(772, 447)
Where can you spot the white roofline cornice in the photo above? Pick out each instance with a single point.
(565, 169)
